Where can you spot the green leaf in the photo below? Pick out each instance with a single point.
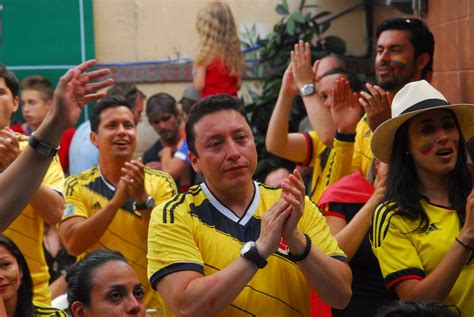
(298, 17)
(321, 14)
(290, 26)
(325, 26)
(281, 10)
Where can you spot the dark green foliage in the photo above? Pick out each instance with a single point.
(309, 25)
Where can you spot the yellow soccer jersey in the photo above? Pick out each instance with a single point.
(363, 156)
(88, 192)
(27, 233)
(343, 146)
(407, 254)
(41, 310)
(321, 158)
(195, 232)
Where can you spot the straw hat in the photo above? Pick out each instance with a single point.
(414, 98)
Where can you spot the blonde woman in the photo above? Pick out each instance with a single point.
(219, 60)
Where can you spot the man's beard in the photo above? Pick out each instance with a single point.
(397, 81)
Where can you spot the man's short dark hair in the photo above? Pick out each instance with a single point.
(159, 103)
(208, 105)
(40, 84)
(127, 91)
(106, 103)
(10, 80)
(420, 37)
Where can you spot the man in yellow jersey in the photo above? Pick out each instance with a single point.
(307, 148)
(108, 206)
(47, 203)
(232, 246)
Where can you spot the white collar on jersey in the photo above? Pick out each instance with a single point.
(228, 212)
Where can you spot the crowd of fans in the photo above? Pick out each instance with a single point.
(384, 227)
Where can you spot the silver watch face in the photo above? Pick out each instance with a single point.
(307, 90)
(247, 246)
(150, 202)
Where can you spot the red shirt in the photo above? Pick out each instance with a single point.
(218, 80)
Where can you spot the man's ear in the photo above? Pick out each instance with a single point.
(78, 309)
(16, 103)
(93, 138)
(422, 61)
(194, 162)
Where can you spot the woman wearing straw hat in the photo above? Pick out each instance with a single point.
(423, 234)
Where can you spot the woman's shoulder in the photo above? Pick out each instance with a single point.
(44, 310)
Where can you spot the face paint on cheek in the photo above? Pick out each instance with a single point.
(456, 144)
(398, 63)
(426, 149)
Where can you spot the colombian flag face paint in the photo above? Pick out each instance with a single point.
(426, 149)
(398, 63)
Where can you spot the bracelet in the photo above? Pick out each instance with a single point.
(41, 147)
(304, 255)
(463, 244)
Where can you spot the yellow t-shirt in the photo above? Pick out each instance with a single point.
(41, 310)
(87, 193)
(195, 232)
(363, 156)
(407, 254)
(27, 233)
(321, 158)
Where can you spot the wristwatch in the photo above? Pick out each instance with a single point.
(147, 204)
(249, 251)
(41, 147)
(307, 90)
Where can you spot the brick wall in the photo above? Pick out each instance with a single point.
(452, 23)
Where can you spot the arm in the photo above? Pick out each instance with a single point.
(74, 90)
(48, 204)
(319, 115)
(437, 285)
(190, 293)
(330, 278)
(79, 233)
(349, 236)
(199, 77)
(291, 146)
(171, 165)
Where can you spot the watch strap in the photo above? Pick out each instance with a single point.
(253, 256)
(147, 204)
(41, 147)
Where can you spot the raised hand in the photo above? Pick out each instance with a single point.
(294, 194)
(345, 109)
(288, 84)
(75, 89)
(9, 148)
(134, 176)
(271, 228)
(301, 61)
(467, 232)
(377, 105)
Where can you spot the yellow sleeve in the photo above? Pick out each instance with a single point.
(362, 152)
(54, 177)
(74, 201)
(397, 256)
(316, 227)
(171, 241)
(342, 163)
(162, 186)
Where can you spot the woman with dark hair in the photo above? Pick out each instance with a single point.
(423, 233)
(104, 284)
(16, 286)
